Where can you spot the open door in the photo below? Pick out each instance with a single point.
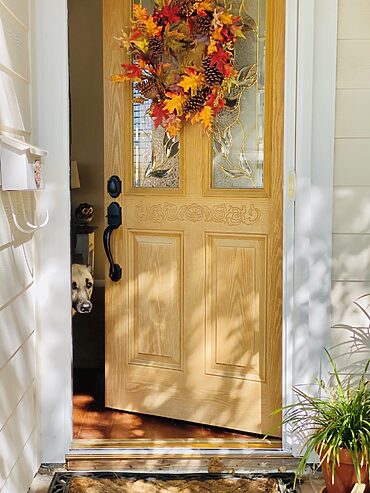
(193, 327)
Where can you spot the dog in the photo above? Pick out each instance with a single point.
(82, 287)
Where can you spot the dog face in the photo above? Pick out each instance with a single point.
(82, 286)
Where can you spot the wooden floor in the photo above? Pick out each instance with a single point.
(92, 421)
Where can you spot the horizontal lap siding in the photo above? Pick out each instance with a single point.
(15, 113)
(351, 221)
(18, 433)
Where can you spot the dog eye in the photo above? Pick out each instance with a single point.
(74, 285)
(85, 210)
(88, 284)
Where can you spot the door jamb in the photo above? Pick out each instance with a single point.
(311, 54)
(309, 27)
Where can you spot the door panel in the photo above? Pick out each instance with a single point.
(156, 307)
(193, 329)
(236, 306)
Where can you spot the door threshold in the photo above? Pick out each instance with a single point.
(185, 459)
(145, 443)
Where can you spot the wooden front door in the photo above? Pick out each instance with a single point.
(193, 328)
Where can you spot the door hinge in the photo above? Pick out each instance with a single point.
(292, 186)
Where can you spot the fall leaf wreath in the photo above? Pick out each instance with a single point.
(183, 60)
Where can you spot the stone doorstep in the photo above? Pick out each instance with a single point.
(312, 484)
(44, 477)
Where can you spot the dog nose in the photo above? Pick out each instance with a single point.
(86, 307)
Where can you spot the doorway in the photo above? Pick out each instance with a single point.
(54, 355)
(220, 238)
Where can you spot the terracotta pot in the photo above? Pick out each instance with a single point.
(345, 476)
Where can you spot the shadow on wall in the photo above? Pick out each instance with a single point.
(352, 347)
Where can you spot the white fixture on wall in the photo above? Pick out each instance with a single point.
(21, 170)
(21, 164)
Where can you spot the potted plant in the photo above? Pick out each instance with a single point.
(337, 423)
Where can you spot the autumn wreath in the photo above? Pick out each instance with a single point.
(182, 60)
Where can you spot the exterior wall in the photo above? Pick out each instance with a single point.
(18, 421)
(351, 222)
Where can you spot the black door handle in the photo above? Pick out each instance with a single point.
(114, 221)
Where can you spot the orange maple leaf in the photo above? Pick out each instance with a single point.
(140, 13)
(173, 126)
(119, 78)
(226, 18)
(205, 116)
(204, 5)
(212, 47)
(191, 82)
(174, 103)
(142, 64)
(217, 34)
(151, 27)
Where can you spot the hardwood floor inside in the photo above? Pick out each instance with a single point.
(91, 420)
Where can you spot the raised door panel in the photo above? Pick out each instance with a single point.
(236, 306)
(156, 306)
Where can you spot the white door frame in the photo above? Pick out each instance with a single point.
(311, 41)
(310, 87)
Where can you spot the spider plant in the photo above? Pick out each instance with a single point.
(338, 419)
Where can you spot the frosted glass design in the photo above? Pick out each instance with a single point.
(239, 127)
(155, 154)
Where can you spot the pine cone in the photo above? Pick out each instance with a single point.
(148, 88)
(211, 74)
(155, 48)
(194, 103)
(186, 7)
(202, 24)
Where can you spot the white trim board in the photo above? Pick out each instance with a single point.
(309, 142)
(309, 150)
(52, 243)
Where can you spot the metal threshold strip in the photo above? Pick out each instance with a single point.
(185, 443)
(195, 457)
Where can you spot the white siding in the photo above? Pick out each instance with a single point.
(351, 222)
(19, 456)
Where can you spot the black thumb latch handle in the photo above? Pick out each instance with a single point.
(114, 221)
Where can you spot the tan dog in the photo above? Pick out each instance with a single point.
(82, 286)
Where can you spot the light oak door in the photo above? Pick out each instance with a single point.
(193, 328)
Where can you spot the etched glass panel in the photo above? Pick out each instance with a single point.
(155, 154)
(239, 127)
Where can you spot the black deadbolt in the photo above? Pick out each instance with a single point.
(114, 186)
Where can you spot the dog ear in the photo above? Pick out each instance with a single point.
(89, 268)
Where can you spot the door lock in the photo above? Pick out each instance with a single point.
(114, 186)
